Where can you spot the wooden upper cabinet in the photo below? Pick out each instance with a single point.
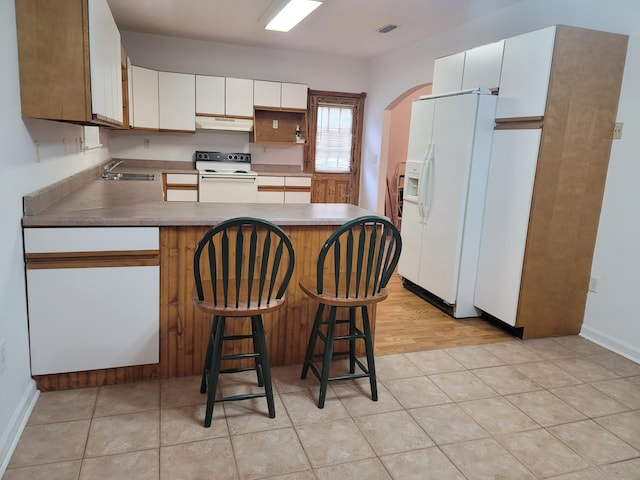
(70, 61)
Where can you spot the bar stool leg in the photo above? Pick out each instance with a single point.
(258, 327)
(328, 354)
(258, 359)
(207, 358)
(352, 340)
(312, 341)
(371, 365)
(214, 370)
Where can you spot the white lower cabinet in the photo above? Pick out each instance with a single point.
(93, 298)
(180, 187)
(272, 189)
(297, 190)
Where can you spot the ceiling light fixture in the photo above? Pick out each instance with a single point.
(282, 16)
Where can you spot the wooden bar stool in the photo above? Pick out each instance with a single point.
(247, 265)
(354, 267)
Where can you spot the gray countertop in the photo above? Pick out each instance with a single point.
(98, 202)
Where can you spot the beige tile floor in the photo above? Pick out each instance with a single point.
(561, 408)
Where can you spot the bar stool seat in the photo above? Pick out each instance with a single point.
(353, 269)
(242, 268)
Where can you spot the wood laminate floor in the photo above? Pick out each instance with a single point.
(407, 323)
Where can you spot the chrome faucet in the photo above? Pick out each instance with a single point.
(109, 167)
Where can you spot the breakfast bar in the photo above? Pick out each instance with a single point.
(183, 331)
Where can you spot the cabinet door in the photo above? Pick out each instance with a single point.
(270, 189)
(85, 314)
(266, 94)
(178, 195)
(297, 190)
(526, 66)
(130, 91)
(177, 101)
(447, 73)
(512, 172)
(482, 66)
(144, 90)
(104, 56)
(210, 95)
(294, 95)
(93, 318)
(239, 97)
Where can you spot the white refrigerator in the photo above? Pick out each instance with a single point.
(444, 192)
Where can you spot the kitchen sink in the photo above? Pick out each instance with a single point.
(129, 176)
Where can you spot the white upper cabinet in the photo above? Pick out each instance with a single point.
(177, 97)
(210, 93)
(482, 66)
(447, 73)
(280, 95)
(266, 94)
(239, 97)
(294, 95)
(105, 63)
(144, 89)
(524, 80)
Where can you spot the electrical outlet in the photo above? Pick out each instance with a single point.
(617, 130)
(275, 124)
(593, 284)
(3, 357)
(146, 143)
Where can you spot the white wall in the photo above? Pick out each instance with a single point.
(23, 169)
(319, 71)
(611, 317)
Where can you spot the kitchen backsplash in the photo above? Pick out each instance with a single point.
(181, 147)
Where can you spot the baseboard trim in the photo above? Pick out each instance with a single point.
(604, 340)
(11, 435)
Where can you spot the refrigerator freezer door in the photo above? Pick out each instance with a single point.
(411, 230)
(453, 135)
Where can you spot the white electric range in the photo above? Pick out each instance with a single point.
(226, 177)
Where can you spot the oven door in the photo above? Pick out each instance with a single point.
(228, 188)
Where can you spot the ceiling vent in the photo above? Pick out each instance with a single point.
(387, 28)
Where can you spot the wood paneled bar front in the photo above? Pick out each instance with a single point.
(184, 330)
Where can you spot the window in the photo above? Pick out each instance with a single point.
(334, 134)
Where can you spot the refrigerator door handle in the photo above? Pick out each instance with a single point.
(421, 182)
(425, 197)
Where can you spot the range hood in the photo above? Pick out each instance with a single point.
(224, 123)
